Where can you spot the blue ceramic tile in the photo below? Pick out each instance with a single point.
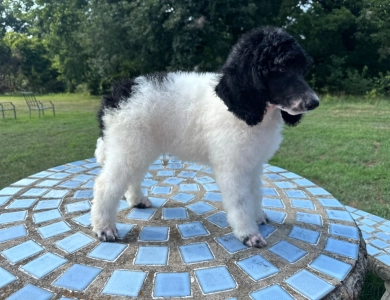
(25, 182)
(384, 228)
(56, 194)
(375, 218)
(43, 265)
(342, 248)
(275, 216)
(161, 190)
(340, 215)
(158, 162)
(82, 177)
(200, 207)
(344, 231)
(174, 213)
(355, 217)
(21, 203)
(71, 184)
(271, 292)
(77, 163)
(59, 176)
(48, 183)
(123, 205)
(154, 234)
(157, 202)
(192, 229)
(349, 208)
(269, 192)
(48, 204)
(91, 165)
(74, 242)
(34, 192)
(173, 180)
(219, 219)
(211, 187)
(188, 187)
(172, 285)
(31, 292)
(216, 279)
(141, 214)
(59, 168)
(265, 230)
(305, 235)
(53, 229)
(384, 258)
(318, 191)
(368, 222)
(305, 204)
(309, 285)
(12, 217)
(212, 196)
(204, 179)
(366, 236)
(4, 199)
(290, 175)
(95, 171)
(330, 266)
(208, 170)
(118, 284)
(273, 203)
(166, 173)
(275, 169)
(257, 267)
(124, 229)
(77, 206)
(330, 202)
(46, 216)
(10, 191)
(287, 251)
(187, 174)
(148, 182)
(173, 160)
(6, 277)
(75, 170)
(78, 277)
(89, 184)
(42, 174)
(379, 244)
(82, 194)
(175, 166)
(195, 167)
(84, 220)
(152, 255)
(156, 167)
(295, 194)
(196, 253)
(284, 185)
(107, 251)
(303, 182)
(367, 228)
(272, 176)
(383, 236)
(231, 243)
(183, 197)
(12, 233)
(22, 251)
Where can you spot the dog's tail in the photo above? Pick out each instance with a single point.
(99, 152)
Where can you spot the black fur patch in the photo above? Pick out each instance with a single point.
(291, 120)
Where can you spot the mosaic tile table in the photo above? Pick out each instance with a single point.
(182, 247)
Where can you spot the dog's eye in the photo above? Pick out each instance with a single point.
(282, 69)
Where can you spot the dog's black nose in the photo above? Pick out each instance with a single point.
(312, 104)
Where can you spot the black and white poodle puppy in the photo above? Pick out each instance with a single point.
(231, 121)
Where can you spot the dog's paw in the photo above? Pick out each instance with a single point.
(255, 240)
(107, 235)
(262, 219)
(144, 202)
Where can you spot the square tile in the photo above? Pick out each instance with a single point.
(344, 231)
(330, 266)
(287, 251)
(123, 205)
(34, 192)
(56, 194)
(53, 229)
(172, 285)
(83, 194)
(70, 184)
(271, 292)
(74, 242)
(25, 182)
(275, 216)
(372, 251)
(12, 217)
(95, 171)
(4, 199)
(269, 192)
(148, 182)
(42, 174)
(21, 203)
(59, 168)
(272, 176)
(265, 230)
(48, 183)
(196, 253)
(383, 236)
(154, 234)
(376, 218)
(47, 204)
(152, 255)
(141, 213)
(124, 229)
(230, 243)
(303, 182)
(161, 190)
(340, 215)
(12, 233)
(192, 229)
(83, 220)
(309, 285)
(78, 277)
(216, 279)
(257, 267)
(22, 251)
(75, 170)
(77, 163)
(305, 204)
(175, 166)
(384, 258)
(212, 196)
(166, 173)
(59, 176)
(379, 244)
(6, 277)
(43, 265)
(318, 191)
(204, 179)
(367, 228)
(174, 213)
(188, 187)
(342, 248)
(183, 197)
(187, 174)
(290, 175)
(107, 251)
(195, 167)
(219, 219)
(91, 165)
(383, 227)
(156, 167)
(268, 202)
(89, 184)
(211, 187)
(305, 235)
(83, 178)
(308, 218)
(157, 202)
(173, 180)
(77, 206)
(284, 184)
(295, 194)
(46, 216)
(330, 202)
(118, 284)
(200, 207)
(367, 221)
(31, 292)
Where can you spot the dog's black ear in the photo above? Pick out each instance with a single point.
(243, 98)
(291, 120)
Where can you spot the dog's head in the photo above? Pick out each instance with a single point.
(267, 67)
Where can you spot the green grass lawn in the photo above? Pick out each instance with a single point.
(343, 146)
